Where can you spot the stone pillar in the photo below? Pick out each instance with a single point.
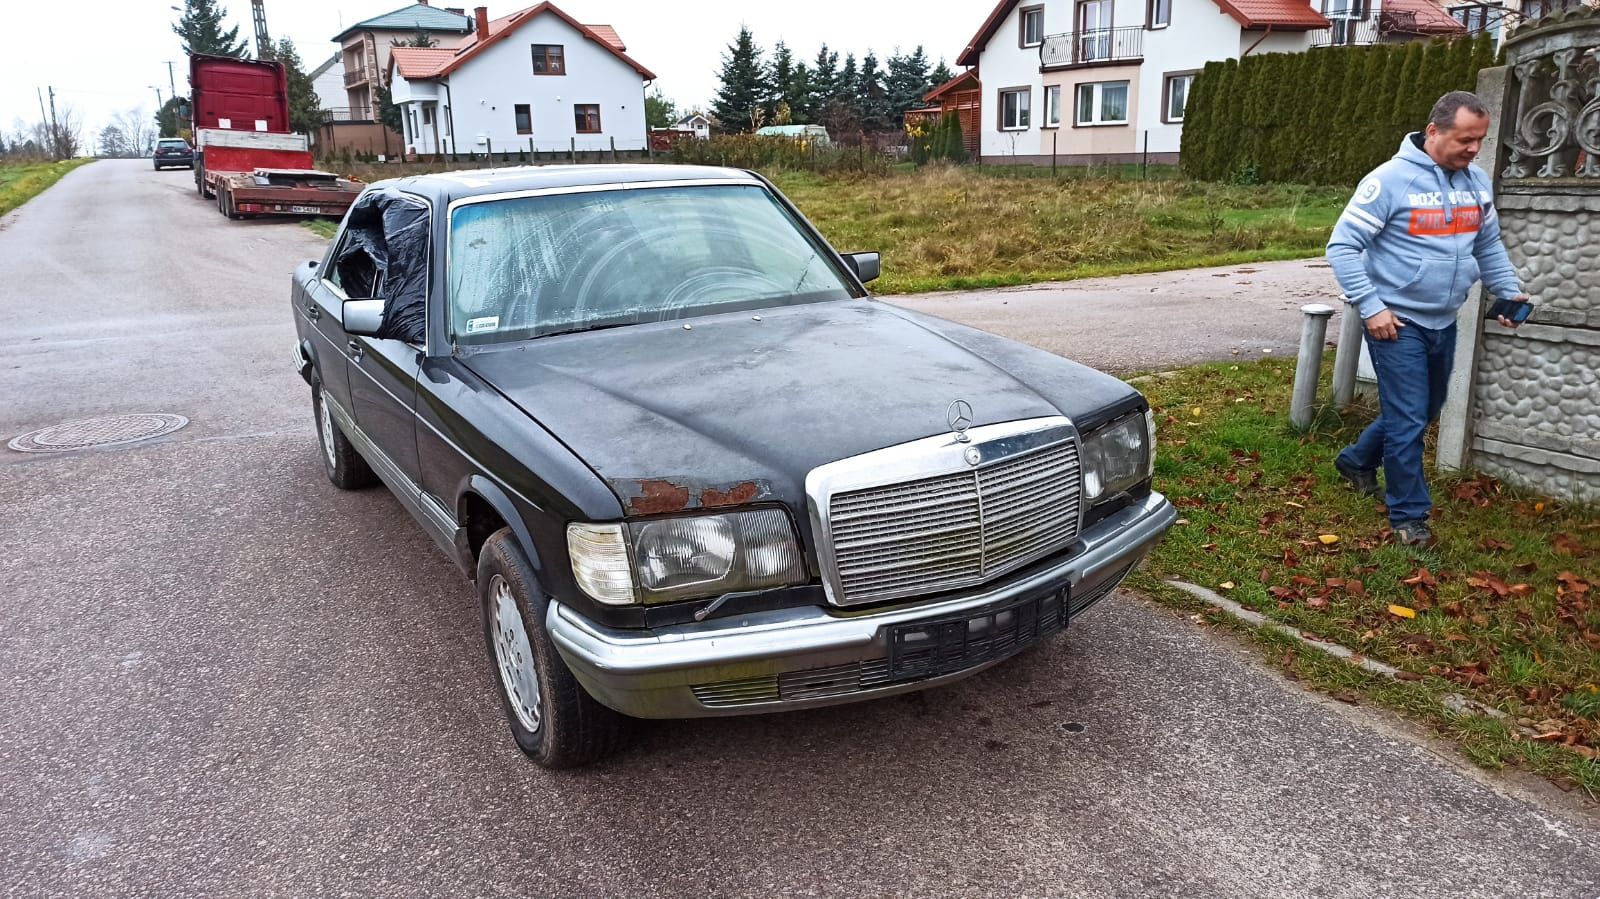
(1533, 414)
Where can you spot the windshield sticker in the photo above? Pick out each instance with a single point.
(480, 325)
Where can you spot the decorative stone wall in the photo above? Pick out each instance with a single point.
(1535, 396)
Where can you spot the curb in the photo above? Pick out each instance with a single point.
(1454, 702)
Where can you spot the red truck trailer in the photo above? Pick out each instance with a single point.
(245, 155)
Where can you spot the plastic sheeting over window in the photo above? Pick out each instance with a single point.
(385, 256)
(534, 266)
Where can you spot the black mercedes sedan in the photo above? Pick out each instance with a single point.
(174, 152)
(691, 465)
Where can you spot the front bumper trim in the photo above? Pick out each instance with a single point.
(650, 674)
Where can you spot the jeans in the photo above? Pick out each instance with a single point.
(1413, 375)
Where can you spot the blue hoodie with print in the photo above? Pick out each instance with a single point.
(1415, 238)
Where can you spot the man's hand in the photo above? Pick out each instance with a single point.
(1506, 322)
(1384, 326)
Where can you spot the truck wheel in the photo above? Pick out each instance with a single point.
(345, 467)
(552, 719)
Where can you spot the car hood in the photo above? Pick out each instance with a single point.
(737, 408)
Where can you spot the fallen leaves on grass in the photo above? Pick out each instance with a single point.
(1402, 611)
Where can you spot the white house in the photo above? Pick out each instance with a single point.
(696, 123)
(533, 80)
(327, 82)
(1105, 81)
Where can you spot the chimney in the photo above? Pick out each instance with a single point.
(423, 2)
(482, 12)
(457, 10)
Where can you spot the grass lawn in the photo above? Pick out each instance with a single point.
(944, 228)
(21, 182)
(1505, 610)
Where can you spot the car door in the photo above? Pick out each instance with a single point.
(319, 300)
(383, 383)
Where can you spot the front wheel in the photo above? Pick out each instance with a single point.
(345, 467)
(552, 719)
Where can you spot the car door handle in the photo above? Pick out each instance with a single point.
(355, 350)
(313, 311)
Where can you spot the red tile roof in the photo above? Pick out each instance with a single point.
(1284, 15)
(609, 35)
(407, 60)
(1430, 18)
(419, 62)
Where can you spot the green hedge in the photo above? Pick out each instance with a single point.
(1327, 116)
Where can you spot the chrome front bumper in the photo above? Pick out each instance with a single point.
(653, 674)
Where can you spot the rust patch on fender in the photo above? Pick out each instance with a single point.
(737, 495)
(657, 498)
(663, 496)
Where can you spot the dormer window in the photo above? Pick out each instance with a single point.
(549, 59)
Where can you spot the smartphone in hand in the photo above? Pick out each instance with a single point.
(1512, 310)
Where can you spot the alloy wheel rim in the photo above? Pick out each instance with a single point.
(513, 656)
(327, 431)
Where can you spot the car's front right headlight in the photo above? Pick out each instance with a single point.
(669, 559)
(1118, 456)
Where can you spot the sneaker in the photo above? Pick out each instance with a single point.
(1414, 533)
(1362, 480)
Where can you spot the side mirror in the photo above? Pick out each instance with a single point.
(865, 265)
(362, 318)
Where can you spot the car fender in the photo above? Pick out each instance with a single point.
(497, 498)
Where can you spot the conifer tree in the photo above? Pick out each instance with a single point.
(941, 74)
(741, 99)
(1411, 75)
(797, 93)
(200, 26)
(824, 79)
(778, 76)
(871, 98)
(305, 114)
(1197, 115)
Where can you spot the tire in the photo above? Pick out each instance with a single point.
(345, 467)
(563, 726)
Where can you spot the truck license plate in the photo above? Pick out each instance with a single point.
(305, 210)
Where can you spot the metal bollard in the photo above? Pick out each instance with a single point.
(1348, 358)
(1313, 330)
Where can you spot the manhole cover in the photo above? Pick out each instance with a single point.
(108, 431)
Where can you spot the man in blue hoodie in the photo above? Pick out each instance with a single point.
(1419, 232)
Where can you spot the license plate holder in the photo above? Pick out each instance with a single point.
(939, 646)
(305, 210)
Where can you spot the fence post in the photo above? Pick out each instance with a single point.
(572, 150)
(488, 144)
(1308, 369)
(1054, 149)
(1347, 358)
(1144, 164)
(613, 148)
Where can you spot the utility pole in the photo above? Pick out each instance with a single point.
(172, 80)
(55, 128)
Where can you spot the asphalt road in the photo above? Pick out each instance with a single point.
(221, 676)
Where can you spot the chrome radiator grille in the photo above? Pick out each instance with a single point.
(954, 530)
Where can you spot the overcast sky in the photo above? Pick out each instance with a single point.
(105, 56)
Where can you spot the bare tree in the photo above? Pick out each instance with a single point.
(113, 142)
(139, 127)
(62, 138)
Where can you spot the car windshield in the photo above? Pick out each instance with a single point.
(537, 266)
(173, 144)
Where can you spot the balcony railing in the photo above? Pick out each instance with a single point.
(1092, 47)
(353, 77)
(1347, 33)
(348, 114)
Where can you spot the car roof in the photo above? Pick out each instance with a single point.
(447, 187)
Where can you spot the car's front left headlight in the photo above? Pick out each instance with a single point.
(669, 559)
(1118, 456)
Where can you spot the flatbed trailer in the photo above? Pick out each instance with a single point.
(245, 156)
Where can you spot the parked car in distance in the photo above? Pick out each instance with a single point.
(173, 151)
(692, 466)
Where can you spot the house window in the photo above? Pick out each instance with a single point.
(1175, 96)
(427, 116)
(1031, 20)
(1103, 103)
(549, 59)
(586, 116)
(524, 118)
(1160, 13)
(1014, 109)
(1052, 105)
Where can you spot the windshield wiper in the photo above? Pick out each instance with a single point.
(583, 328)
